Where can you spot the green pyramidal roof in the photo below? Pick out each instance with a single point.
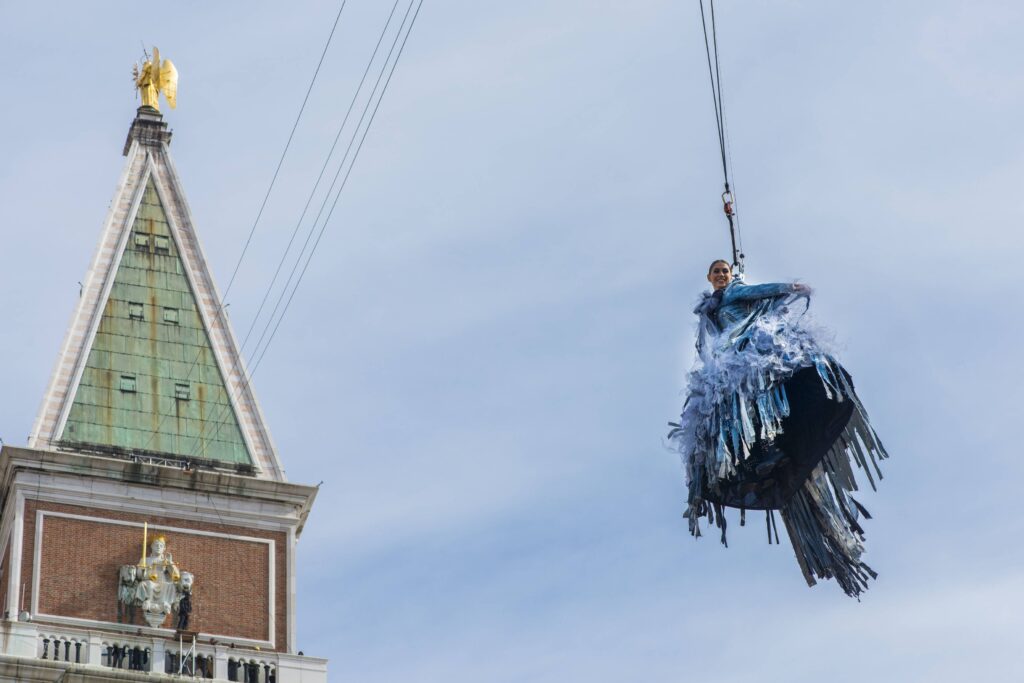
(151, 382)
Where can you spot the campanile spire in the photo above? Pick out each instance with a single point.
(150, 431)
(150, 366)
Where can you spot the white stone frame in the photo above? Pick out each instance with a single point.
(292, 595)
(270, 642)
(144, 162)
(14, 509)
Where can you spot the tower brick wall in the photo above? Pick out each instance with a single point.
(79, 560)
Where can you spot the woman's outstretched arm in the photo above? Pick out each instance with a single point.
(768, 290)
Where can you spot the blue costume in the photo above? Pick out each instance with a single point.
(772, 422)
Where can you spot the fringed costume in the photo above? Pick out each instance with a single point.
(772, 422)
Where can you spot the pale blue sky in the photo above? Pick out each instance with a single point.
(494, 331)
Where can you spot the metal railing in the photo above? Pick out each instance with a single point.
(245, 670)
(63, 648)
(189, 663)
(126, 655)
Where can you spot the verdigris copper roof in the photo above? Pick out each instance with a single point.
(149, 367)
(151, 381)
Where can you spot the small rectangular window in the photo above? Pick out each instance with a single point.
(182, 391)
(142, 241)
(128, 384)
(162, 244)
(136, 311)
(171, 316)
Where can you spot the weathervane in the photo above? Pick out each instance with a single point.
(154, 78)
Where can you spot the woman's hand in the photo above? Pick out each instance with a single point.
(801, 288)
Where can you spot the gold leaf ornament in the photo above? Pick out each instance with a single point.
(155, 77)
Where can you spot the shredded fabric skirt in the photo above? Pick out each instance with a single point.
(782, 435)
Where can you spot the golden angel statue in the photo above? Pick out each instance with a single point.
(154, 78)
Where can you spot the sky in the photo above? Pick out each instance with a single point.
(481, 360)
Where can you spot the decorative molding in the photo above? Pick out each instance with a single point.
(159, 527)
(200, 507)
(116, 483)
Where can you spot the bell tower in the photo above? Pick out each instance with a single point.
(148, 527)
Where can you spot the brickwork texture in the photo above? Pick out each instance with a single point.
(80, 561)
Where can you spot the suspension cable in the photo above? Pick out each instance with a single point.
(221, 303)
(316, 185)
(371, 107)
(715, 75)
(284, 153)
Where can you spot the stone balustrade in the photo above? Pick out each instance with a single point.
(103, 650)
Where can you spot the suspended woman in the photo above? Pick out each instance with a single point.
(771, 422)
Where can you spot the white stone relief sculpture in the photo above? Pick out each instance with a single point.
(155, 585)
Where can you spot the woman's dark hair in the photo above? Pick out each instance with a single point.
(716, 262)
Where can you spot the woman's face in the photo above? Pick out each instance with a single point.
(720, 275)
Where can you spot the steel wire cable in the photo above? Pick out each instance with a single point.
(715, 76)
(284, 152)
(319, 178)
(334, 180)
(221, 304)
(716, 99)
(201, 444)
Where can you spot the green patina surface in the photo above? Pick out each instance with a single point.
(151, 381)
